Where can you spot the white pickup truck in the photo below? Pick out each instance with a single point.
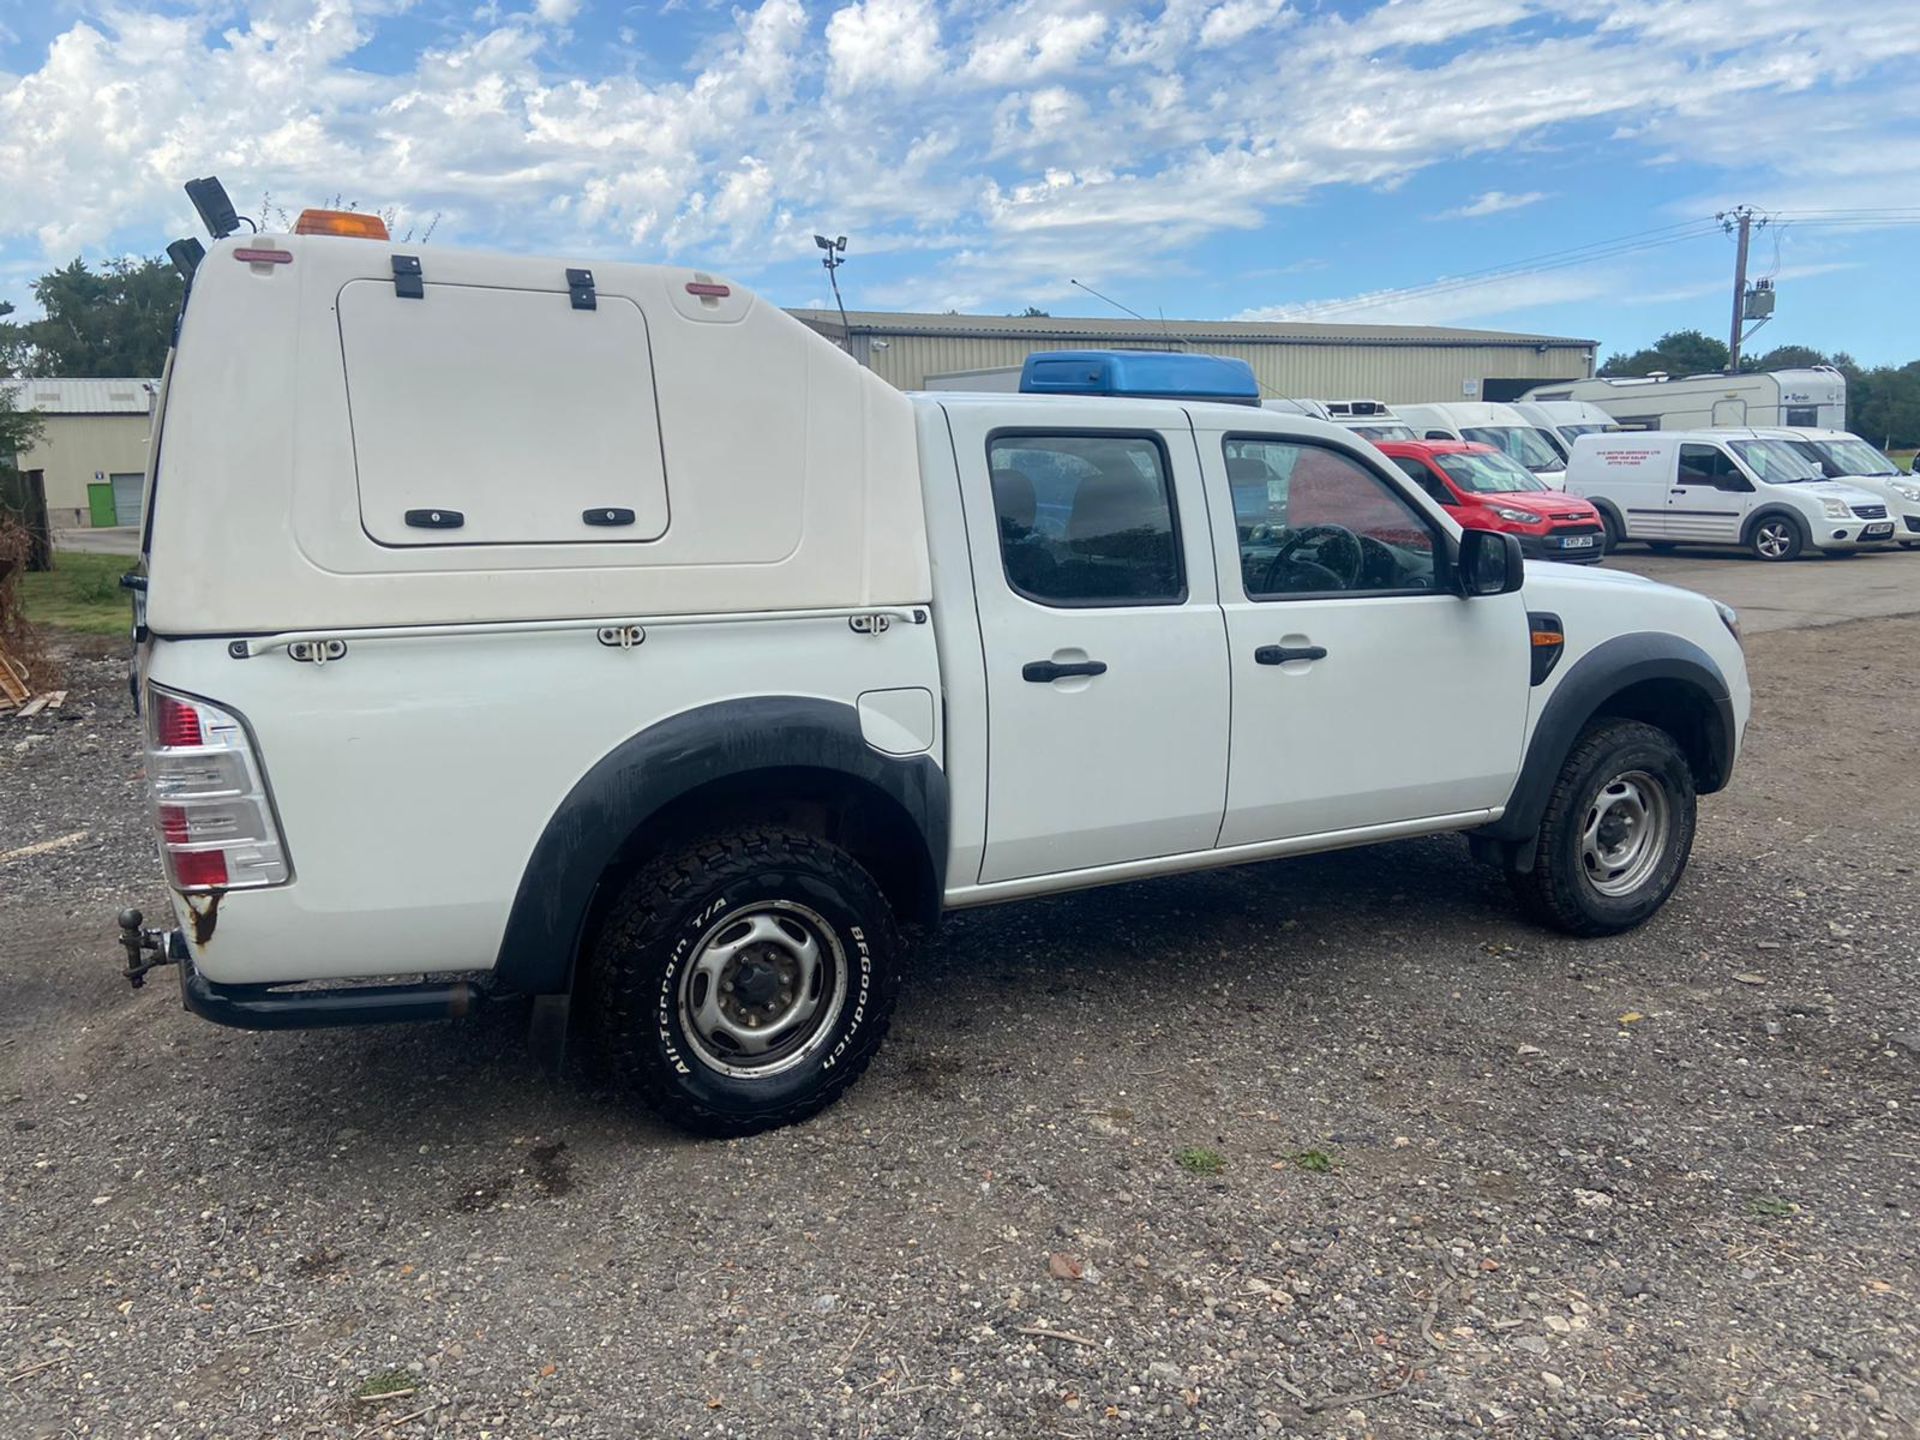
(519, 629)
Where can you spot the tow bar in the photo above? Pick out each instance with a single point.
(147, 948)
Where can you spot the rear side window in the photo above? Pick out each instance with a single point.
(1086, 520)
(501, 417)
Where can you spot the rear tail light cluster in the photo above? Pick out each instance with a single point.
(216, 824)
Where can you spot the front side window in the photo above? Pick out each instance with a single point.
(1522, 442)
(1086, 519)
(1709, 465)
(1487, 474)
(1312, 521)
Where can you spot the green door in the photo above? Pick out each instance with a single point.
(100, 503)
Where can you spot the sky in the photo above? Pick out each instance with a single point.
(1553, 166)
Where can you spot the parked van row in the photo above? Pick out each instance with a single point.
(1766, 491)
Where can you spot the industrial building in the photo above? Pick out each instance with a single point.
(1404, 363)
(92, 451)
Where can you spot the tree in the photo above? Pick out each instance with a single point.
(114, 321)
(1787, 357)
(1031, 313)
(1678, 352)
(19, 429)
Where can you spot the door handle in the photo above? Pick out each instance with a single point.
(1044, 672)
(1281, 654)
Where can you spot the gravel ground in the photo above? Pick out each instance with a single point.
(1327, 1147)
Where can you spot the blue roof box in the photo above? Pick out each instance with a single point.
(1151, 374)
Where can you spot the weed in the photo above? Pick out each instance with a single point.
(1199, 1160)
(1318, 1161)
(385, 1382)
(1770, 1207)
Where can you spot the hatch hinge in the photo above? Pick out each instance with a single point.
(580, 290)
(870, 624)
(407, 281)
(317, 652)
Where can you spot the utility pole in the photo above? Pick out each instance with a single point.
(1741, 216)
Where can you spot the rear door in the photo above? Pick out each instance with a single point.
(1100, 622)
(1709, 496)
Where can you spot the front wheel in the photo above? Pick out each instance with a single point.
(1777, 537)
(744, 982)
(1616, 834)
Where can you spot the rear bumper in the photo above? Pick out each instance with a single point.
(267, 1007)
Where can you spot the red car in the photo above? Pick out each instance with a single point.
(1484, 489)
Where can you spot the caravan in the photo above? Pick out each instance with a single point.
(1815, 397)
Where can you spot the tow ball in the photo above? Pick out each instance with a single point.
(147, 948)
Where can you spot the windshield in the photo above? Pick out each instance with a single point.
(1384, 432)
(1851, 456)
(1522, 442)
(1571, 432)
(1487, 474)
(1776, 462)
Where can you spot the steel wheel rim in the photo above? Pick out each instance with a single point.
(1625, 833)
(763, 989)
(1773, 540)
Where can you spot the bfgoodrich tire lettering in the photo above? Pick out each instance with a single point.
(1616, 834)
(702, 947)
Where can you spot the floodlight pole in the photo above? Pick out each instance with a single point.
(834, 259)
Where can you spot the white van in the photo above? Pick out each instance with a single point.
(1485, 423)
(1719, 487)
(1369, 419)
(1844, 456)
(1564, 421)
(1816, 396)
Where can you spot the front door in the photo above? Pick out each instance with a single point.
(1364, 693)
(1100, 620)
(1709, 497)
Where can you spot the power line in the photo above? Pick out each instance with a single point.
(1538, 265)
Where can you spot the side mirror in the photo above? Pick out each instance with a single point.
(1490, 563)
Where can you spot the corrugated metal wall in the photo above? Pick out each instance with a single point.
(1403, 373)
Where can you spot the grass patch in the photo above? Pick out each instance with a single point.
(1770, 1207)
(1199, 1160)
(385, 1382)
(81, 592)
(1317, 1161)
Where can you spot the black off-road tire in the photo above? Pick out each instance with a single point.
(1558, 891)
(636, 961)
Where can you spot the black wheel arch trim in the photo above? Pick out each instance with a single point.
(1583, 692)
(668, 760)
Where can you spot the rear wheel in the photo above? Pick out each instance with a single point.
(745, 981)
(1777, 537)
(1616, 834)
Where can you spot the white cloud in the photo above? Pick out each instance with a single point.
(887, 43)
(1492, 202)
(1009, 144)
